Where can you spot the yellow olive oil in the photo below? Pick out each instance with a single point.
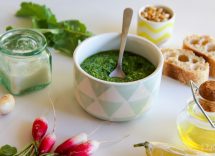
(195, 131)
(196, 137)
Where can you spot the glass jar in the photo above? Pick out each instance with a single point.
(25, 61)
(195, 130)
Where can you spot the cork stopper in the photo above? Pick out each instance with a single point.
(207, 92)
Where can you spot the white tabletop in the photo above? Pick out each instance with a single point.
(100, 16)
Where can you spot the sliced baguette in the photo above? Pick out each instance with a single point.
(184, 65)
(202, 46)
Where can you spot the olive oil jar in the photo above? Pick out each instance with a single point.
(25, 61)
(193, 125)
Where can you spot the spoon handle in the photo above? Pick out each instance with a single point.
(127, 15)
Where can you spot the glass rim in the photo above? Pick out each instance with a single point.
(196, 116)
(32, 33)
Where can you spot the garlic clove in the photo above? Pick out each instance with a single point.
(7, 104)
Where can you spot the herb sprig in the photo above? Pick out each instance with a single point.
(63, 36)
(7, 150)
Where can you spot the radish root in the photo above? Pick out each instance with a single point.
(115, 141)
(54, 112)
(98, 127)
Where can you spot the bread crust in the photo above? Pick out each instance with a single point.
(178, 73)
(202, 49)
(183, 71)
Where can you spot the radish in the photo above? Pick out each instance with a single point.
(85, 148)
(49, 140)
(71, 143)
(89, 147)
(39, 128)
(47, 143)
(78, 154)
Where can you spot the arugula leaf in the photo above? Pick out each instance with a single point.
(63, 36)
(40, 14)
(7, 150)
(72, 33)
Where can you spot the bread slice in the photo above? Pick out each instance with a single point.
(202, 46)
(184, 65)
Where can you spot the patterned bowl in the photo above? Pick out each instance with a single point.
(111, 100)
(156, 32)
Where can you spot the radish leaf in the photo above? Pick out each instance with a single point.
(7, 150)
(63, 36)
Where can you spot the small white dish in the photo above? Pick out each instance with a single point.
(156, 32)
(111, 100)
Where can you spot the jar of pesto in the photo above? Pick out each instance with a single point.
(25, 61)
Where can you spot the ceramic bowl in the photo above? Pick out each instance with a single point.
(156, 32)
(111, 100)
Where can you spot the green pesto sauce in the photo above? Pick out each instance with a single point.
(101, 64)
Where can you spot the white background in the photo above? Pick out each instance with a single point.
(159, 124)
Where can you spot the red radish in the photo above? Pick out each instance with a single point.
(78, 154)
(47, 143)
(71, 143)
(39, 128)
(87, 147)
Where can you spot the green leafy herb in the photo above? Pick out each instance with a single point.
(40, 14)
(7, 150)
(63, 36)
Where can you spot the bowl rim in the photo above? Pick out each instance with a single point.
(158, 68)
(170, 10)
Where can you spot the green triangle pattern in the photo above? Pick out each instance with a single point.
(151, 83)
(98, 88)
(138, 105)
(85, 99)
(127, 91)
(79, 77)
(110, 107)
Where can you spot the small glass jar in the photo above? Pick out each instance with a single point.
(194, 128)
(25, 61)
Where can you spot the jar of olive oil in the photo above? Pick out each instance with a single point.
(25, 61)
(193, 125)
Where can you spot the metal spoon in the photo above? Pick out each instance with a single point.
(127, 16)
